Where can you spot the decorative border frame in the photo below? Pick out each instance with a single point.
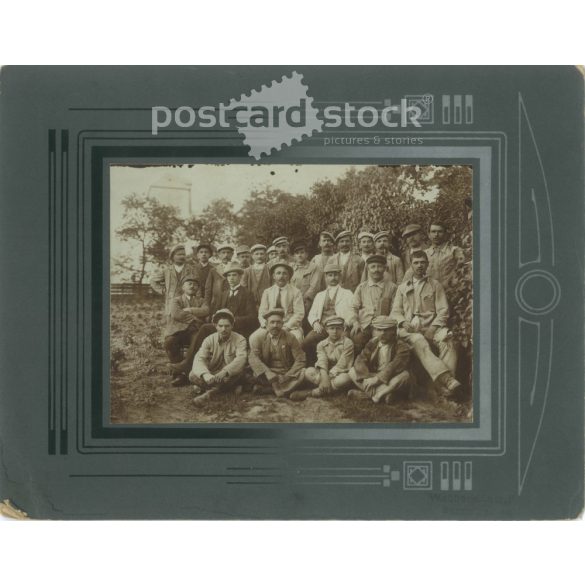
(531, 317)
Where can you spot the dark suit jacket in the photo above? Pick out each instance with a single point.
(213, 289)
(365, 362)
(351, 274)
(242, 306)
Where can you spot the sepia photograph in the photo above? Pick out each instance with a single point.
(261, 293)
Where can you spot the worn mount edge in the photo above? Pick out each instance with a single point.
(8, 510)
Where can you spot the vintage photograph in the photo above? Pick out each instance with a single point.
(258, 293)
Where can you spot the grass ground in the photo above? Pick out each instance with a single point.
(141, 391)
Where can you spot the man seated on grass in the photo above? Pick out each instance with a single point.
(276, 357)
(334, 360)
(187, 314)
(381, 369)
(236, 299)
(219, 364)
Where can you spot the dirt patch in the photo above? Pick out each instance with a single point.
(141, 392)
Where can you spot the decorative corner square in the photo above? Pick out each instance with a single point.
(426, 103)
(418, 475)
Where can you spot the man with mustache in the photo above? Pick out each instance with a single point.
(372, 298)
(276, 357)
(421, 311)
(352, 265)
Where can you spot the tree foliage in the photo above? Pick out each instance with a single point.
(152, 226)
(269, 213)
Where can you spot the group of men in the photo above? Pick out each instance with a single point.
(270, 320)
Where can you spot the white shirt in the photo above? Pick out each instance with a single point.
(344, 257)
(179, 268)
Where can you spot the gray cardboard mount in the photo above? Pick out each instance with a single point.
(522, 458)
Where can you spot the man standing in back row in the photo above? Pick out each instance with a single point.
(352, 265)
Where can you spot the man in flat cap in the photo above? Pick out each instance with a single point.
(256, 277)
(381, 369)
(282, 248)
(333, 301)
(421, 310)
(271, 254)
(276, 357)
(187, 314)
(443, 257)
(366, 243)
(244, 256)
(219, 364)
(352, 265)
(413, 239)
(238, 301)
(334, 360)
(225, 254)
(327, 247)
(394, 266)
(372, 298)
(203, 252)
(306, 276)
(282, 295)
(168, 279)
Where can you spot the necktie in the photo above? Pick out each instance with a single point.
(278, 304)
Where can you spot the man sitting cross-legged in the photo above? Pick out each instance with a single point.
(239, 301)
(382, 367)
(276, 357)
(219, 364)
(334, 359)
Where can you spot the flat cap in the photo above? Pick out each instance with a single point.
(334, 320)
(233, 267)
(382, 234)
(176, 249)
(271, 312)
(225, 313)
(271, 249)
(193, 277)
(383, 322)
(285, 265)
(257, 247)
(328, 234)
(225, 247)
(280, 240)
(343, 234)
(331, 266)
(365, 234)
(298, 245)
(242, 249)
(376, 258)
(411, 228)
(204, 246)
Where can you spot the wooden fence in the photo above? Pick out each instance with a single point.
(130, 289)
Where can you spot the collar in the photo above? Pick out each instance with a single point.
(372, 283)
(334, 288)
(222, 341)
(335, 343)
(204, 265)
(235, 287)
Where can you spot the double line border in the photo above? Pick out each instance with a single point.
(58, 298)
